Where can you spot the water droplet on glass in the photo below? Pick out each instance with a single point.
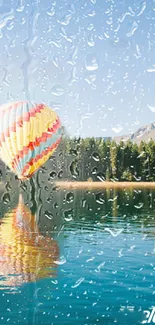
(60, 174)
(49, 200)
(57, 90)
(114, 232)
(152, 108)
(8, 186)
(100, 198)
(101, 177)
(61, 261)
(48, 215)
(139, 205)
(52, 175)
(74, 169)
(91, 63)
(51, 12)
(133, 29)
(142, 9)
(69, 197)
(6, 198)
(65, 19)
(1, 174)
(68, 215)
(56, 61)
(94, 171)
(78, 282)
(56, 206)
(96, 156)
(84, 203)
(20, 7)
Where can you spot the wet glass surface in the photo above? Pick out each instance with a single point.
(82, 256)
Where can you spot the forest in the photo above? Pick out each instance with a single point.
(99, 159)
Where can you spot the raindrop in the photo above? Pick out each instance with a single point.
(8, 186)
(94, 171)
(139, 205)
(78, 282)
(56, 61)
(61, 261)
(49, 200)
(142, 9)
(51, 12)
(99, 267)
(133, 29)
(90, 41)
(1, 175)
(55, 189)
(152, 108)
(48, 215)
(56, 205)
(151, 70)
(114, 232)
(6, 198)
(65, 19)
(68, 215)
(117, 129)
(23, 186)
(91, 63)
(57, 90)
(99, 198)
(84, 203)
(69, 197)
(60, 174)
(52, 175)
(74, 170)
(20, 7)
(101, 177)
(96, 156)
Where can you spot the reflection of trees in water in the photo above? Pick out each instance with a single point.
(25, 254)
(134, 206)
(54, 207)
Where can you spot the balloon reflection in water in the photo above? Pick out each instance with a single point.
(25, 254)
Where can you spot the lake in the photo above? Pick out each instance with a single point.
(76, 257)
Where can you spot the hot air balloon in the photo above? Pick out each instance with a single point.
(25, 254)
(29, 134)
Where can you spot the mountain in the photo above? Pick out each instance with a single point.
(144, 133)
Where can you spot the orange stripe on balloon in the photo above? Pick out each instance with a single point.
(24, 118)
(44, 153)
(36, 143)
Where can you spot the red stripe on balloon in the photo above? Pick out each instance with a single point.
(24, 118)
(34, 160)
(31, 146)
(9, 108)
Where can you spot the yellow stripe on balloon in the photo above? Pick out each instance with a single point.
(27, 133)
(40, 122)
(39, 163)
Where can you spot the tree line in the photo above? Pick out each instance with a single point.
(99, 159)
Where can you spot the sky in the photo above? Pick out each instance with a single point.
(93, 61)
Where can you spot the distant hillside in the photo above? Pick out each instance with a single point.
(144, 133)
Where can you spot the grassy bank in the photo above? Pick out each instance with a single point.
(104, 185)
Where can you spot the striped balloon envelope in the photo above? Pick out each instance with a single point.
(29, 134)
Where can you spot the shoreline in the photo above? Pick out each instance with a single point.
(103, 185)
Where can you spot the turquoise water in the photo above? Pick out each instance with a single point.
(102, 251)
